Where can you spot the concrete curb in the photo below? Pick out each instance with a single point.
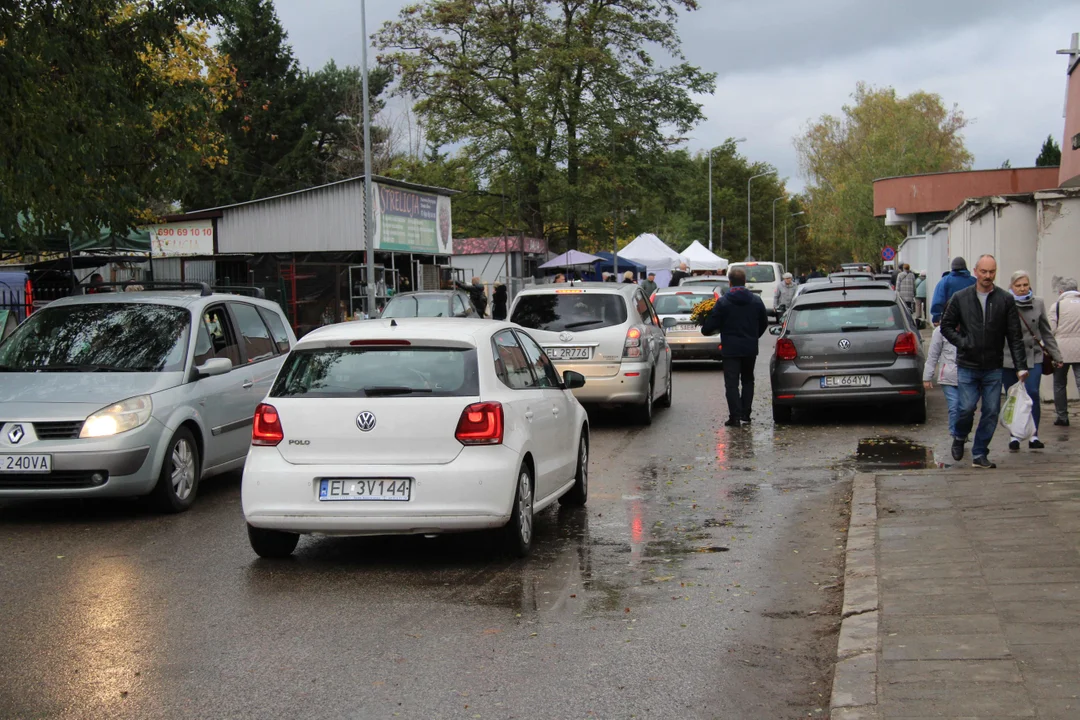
(854, 691)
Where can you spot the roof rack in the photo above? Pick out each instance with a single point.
(202, 287)
(254, 291)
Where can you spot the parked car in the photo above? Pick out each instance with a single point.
(856, 267)
(135, 393)
(608, 332)
(762, 278)
(856, 346)
(430, 304)
(417, 426)
(675, 305)
(718, 282)
(841, 283)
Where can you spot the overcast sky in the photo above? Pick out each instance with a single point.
(782, 63)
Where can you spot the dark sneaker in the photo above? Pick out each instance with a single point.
(1014, 446)
(982, 462)
(733, 422)
(1064, 422)
(746, 420)
(1036, 445)
(957, 449)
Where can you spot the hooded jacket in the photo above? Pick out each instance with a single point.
(1065, 322)
(981, 340)
(948, 286)
(941, 353)
(739, 317)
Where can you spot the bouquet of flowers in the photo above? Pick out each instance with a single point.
(702, 310)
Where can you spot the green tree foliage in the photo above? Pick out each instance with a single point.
(106, 107)
(287, 128)
(538, 91)
(1050, 156)
(879, 135)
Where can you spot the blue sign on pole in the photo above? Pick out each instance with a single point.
(888, 254)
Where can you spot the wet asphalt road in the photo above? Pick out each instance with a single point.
(700, 582)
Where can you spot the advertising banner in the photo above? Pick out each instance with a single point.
(410, 221)
(194, 237)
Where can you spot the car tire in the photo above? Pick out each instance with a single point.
(519, 531)
(272, 543)
(781, 414)
(917, 412)
(178, 480)
(645, 410)
(665, 401)
(577, 495)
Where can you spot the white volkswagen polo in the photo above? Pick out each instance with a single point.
(413, 426)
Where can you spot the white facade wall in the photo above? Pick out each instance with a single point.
(1058, 254)
(938, 261)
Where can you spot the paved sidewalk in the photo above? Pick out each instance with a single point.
(962, 591)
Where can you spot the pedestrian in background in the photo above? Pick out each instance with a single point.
(905, 287)
(628, 277)
(476, 294)
(740, 319)
(941, 366)
(498, 302)
(784, 295)
(649, 285)
(951, 283)
(920, 296)
(1038, 341)
(1065, 322)
(679, 275)
(980, 320)
(559, 278)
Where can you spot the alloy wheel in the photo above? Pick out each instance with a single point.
(525, 502)
(183, 469)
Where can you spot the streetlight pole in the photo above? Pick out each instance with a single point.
(774, 227)
(795, 239)
(752, 179)
(369, 239)
(801, 212)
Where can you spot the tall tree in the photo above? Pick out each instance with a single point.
(534, 85)
(879, 135)
(1050, 156)
(106, 107)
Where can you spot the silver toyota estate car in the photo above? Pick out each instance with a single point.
(684, 337)
(848, 347)
(609, 333)
(134, 393)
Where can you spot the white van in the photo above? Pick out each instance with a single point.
(762, 278)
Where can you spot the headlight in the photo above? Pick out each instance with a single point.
(118, 418)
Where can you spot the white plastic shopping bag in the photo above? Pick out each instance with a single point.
(1016, 413)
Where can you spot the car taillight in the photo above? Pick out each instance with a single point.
(481, 424)
(715, 295)
(267, 429)
(785, 350)
(652, 298)
(29, 293)
(632, 346)
(905, 344)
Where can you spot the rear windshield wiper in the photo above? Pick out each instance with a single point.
(393, 390)
(856, 328)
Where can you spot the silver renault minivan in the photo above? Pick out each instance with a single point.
(135, 393)
(609, 333)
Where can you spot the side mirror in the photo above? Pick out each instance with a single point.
(776, 329)
(573, 380)
(214, 366)
(669, 322)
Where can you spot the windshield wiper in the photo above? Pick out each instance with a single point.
(393, 390)
(89, 367)
(583, 323)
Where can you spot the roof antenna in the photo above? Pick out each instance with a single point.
(393, 322)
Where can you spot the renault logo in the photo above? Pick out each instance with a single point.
(365, 421)
(844, 344)
(16, 434)
(566, 337)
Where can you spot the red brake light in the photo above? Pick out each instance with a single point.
(481, 424)
(267, 429)
(715, 295)
(905, 344)
(652, 298)
(356, 343)
(29, 298)
(632, 346)
(785, 349)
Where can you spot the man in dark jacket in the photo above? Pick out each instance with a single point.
(739, 317)
(950, 284)
(679, 275)
(979, 321)
(476, 294)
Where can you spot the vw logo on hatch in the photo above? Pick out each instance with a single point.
(566, 337)
(366, 421)
(844, 344)
(16, 434)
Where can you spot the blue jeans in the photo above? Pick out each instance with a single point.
(952, 397)
(978, 385)
(1034, 380)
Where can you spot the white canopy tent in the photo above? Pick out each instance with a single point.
(699, 257)
(650, 251)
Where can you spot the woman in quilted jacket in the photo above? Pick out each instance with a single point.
(1065, 322)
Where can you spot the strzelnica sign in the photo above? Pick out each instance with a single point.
(411, 221)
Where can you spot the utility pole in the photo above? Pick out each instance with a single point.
(369, 231)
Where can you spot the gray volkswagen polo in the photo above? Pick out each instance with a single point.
(134, 393)
(856, 346)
